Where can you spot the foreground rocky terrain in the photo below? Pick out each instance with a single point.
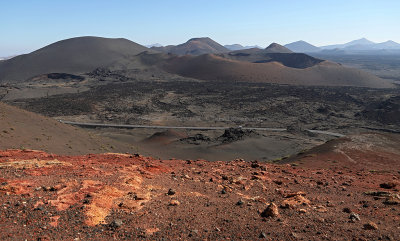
(129, 196)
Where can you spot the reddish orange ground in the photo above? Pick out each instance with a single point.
(120, 196)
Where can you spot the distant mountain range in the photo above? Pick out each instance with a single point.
(302, 47)
(234, 47)
(355, 46)
(154, 45)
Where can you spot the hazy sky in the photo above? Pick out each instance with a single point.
(28, 25)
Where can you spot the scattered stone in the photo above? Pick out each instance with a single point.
(370, 226)
(391, 201)
(151, 231)
(240, 202)
(377, 193)
(38, 208)
(387, 185)
(347, 210)
(354, 217)
(321, 209)
(302, 211)
(295, 201)
(295, 235)
(270, 211)
(300, 193)
(116, 223)
(174, 203)
(262, 235)
(254, 164)
(171, 192)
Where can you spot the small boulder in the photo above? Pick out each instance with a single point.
(171, 192)
(370, 226)
(391, 201)
(116, 223)
(354, 217)
(270, 211)
(347, 210)
(174, 203)
(240, 202)
(387, 185)
(302, 211)
(295, 201)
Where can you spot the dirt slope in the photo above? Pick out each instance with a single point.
(73, 56)
(368, 151)
(212, 67)
(23, 129)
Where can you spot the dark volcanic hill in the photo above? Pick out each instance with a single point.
(195, 46)
(325, 73)
(274, 53)
(73, 56)
(302, 47)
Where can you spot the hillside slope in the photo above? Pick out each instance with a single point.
(23, 129)
(73, 56)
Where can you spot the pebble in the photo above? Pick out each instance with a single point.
(347, 210)
(354, 217)
(116, 223)
(174, 203)
(171, 192)
(387, 185)
(370, 226)
(302, 211)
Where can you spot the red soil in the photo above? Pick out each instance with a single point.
(122, 196)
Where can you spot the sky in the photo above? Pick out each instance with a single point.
(31, 24)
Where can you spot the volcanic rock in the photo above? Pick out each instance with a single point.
(270, 211)
(370, 226)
